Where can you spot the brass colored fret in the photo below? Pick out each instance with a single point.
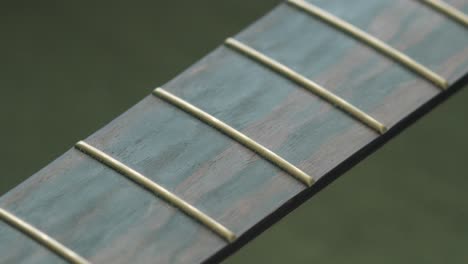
(372, 41)
(236, 135)
(308, 84)
(42, 238)
(448, 10)
(157, 190)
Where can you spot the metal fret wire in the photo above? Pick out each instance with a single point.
(236, 135)
(157, 190)
(74, 258)
(448, 10)
(371, 41)
(42, 238)
(308, 84)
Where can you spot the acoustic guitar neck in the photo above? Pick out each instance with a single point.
(217, 155)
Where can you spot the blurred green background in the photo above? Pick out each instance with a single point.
(69, 67)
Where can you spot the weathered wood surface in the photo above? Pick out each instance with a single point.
(108, 219)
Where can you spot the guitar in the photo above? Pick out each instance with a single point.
(212, 158)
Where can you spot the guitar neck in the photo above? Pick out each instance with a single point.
(218, 154)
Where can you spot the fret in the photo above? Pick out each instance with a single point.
(157, 189)
(236, 135)
(42, 238)
(371, 41)
(308, 84)
(448, 10)
(110, 221)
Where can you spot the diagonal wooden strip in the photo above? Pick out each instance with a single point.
(243, 211)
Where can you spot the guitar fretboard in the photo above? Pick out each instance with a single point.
(211, 158)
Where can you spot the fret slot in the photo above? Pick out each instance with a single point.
(308, 84)
(371, 41)
(448, 10)
(42, 238)
(157, 189)
(236, 135)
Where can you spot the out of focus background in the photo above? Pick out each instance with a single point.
(69, 67)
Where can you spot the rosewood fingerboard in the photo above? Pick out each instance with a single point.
(93, 206)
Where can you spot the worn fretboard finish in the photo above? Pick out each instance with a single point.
(234, 142)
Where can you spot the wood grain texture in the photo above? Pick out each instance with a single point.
(108, 219)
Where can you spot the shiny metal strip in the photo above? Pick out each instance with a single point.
(308, 84)
(42, 238)
(157, 190)
(448, 10)
(372, 41)
(235, 134)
